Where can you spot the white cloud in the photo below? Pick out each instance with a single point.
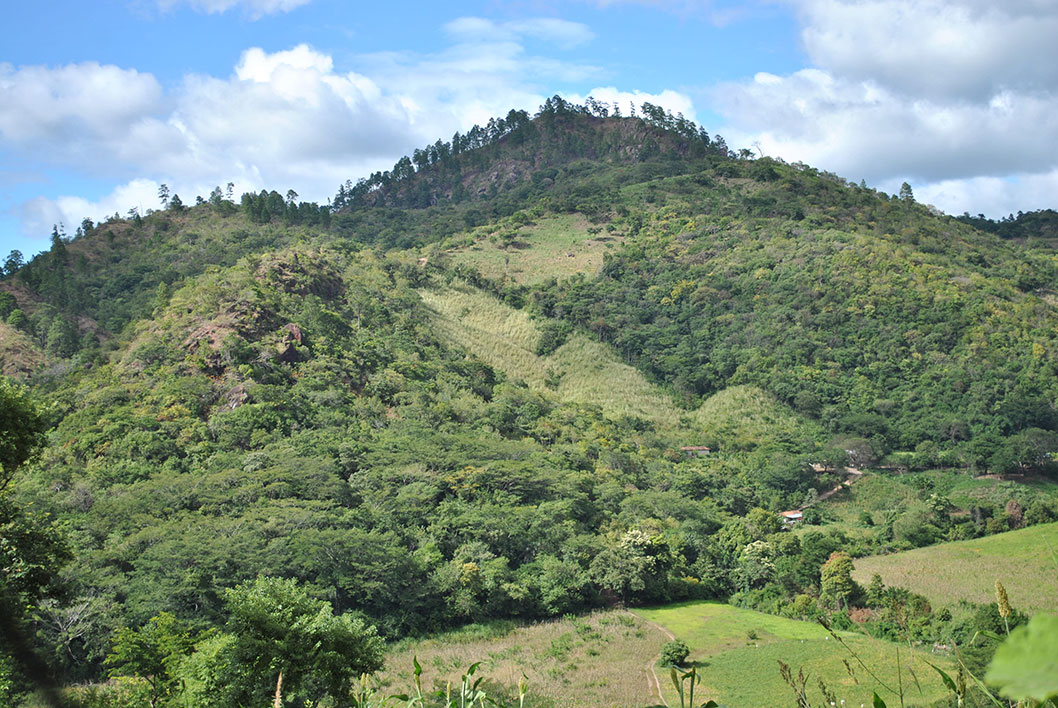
(969, 49)
(992, 196)
(72, 104)
(860, 129)
(281, 119)
(255, 9)
(960, 97)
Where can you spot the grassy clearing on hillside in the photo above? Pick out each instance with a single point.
(580, 371)
(554, 247)
(967, 570)
(587, 372)
(737, 652)
(18, 355)
(598, 660)
(746, 416)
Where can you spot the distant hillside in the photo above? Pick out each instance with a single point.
(1025, 561)
(1033, 226)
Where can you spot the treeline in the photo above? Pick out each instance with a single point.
(1039, 224)
(117, 270)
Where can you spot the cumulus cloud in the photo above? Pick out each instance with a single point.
(1001, 196)
(40, 214)
(280, 119)
(958, 96)
(861, 129)
(73, 105)
(963, 49)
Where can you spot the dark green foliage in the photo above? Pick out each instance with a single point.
(278, 629)
(858, 326)
(7, 304)
(32, 548)
(553, 334)
(674, 653)
(154, 653)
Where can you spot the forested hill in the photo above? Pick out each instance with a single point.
(887, 321)
(375, 398)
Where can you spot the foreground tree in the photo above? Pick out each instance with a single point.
(31, 548)
(281, 641)
(836, 578)
(154, 653)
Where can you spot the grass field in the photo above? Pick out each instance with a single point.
(553, 247)
(738, 653)
(744, 417)
(967, 570)
(599, 660)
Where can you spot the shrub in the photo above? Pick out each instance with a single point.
(674, 653)
(553, 334)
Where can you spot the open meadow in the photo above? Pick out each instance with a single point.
(738, 652)
(1025, 561)
(602, 659)
(610, 659)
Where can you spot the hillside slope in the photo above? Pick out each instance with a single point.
(1025, 561)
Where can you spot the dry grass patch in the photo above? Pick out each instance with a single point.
(552, 247)
(598, 660)
(580, 371)
(19, 355)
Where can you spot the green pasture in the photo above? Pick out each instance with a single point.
(1025, 561)
(738, 652)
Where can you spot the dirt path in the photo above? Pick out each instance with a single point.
(853, 474)
(652, 676)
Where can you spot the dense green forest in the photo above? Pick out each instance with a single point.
(252, 405)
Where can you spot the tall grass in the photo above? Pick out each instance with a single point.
(598, 660)
(581, 371)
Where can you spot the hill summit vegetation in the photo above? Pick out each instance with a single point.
(366, 400)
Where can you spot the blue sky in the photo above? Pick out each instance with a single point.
(97, 109)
